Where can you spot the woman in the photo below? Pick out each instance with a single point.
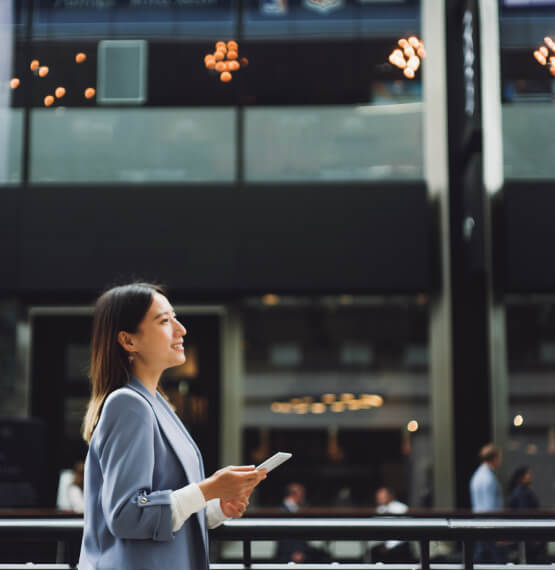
(147, 502)
(521, 495)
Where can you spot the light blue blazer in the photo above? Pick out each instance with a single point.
(139, 453)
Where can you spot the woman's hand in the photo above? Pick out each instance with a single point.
(234, 508)
(232, 482)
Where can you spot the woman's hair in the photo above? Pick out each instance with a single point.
(517, 476)
(121, 308)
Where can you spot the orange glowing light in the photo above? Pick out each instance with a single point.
(34, 65)
(232, 54)
(412, 426)
(552, 70)
(60, 92)
(43, 71)
(14, 83)
(80, 57)
(220, 66)
(210, 63)
(233, 66)
(413, 62)
(414, 42)
(225, 77)
(90, 93)
(544, 51)
(409, 57)
(539, 57)
(232, 45)
(219, 55)
(244, 62)
(221, 45)
(397, 59)
(48, 100)
(550, 43)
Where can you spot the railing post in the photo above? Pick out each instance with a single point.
(522, 552)
(468, 554)
(424, 555)
(247, 558)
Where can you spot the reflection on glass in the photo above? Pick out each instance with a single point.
(70, 18)
(133, 145)
(330, 18)
(343, 142)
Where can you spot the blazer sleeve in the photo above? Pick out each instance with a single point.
(131, 507)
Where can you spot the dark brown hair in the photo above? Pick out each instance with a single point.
(121, 308)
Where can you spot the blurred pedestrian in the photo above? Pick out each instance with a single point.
(486, 495)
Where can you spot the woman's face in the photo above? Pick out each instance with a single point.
(527, 478)
(158, 342)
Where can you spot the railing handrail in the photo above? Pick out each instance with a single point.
(467, 531)
(399, 528)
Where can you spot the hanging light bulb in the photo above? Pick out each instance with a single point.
(540, 57)
(396, 58)
(413, 62)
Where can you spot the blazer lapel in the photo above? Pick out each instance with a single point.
(174, 434)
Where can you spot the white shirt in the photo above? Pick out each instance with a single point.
(189, 500)
(394, 508)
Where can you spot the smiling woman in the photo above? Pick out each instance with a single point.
(147, 501)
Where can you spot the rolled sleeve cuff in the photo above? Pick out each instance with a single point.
(214, 514)
(185, 502)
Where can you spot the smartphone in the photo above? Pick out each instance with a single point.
(275, 461)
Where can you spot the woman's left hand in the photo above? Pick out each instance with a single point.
(234, 508)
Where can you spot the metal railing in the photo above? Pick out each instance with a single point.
(68, 532)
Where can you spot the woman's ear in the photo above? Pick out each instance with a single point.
(126, 341)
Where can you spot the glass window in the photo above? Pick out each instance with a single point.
(95, 18)
(11, 145)
(528, 89)
(343, 142)
(348, 395)
(531, 363)
(334, 91)
(133, 145)
(328, 18)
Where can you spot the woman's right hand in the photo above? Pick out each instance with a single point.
(232, 482)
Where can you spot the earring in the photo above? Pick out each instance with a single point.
(130, 359)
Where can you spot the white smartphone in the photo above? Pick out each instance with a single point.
(275, 461)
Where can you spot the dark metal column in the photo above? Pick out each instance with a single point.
(470, 244)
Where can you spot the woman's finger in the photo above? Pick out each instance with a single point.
(242, 467)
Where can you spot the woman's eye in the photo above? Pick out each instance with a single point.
(165, 321)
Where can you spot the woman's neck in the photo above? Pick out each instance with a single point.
(147, 376)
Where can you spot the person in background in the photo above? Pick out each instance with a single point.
(393, 551)
(75, 490)
(522, 497)
(298, 551)
(486, 496)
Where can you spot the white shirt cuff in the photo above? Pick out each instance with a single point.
(214, 514)
(185, 502)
